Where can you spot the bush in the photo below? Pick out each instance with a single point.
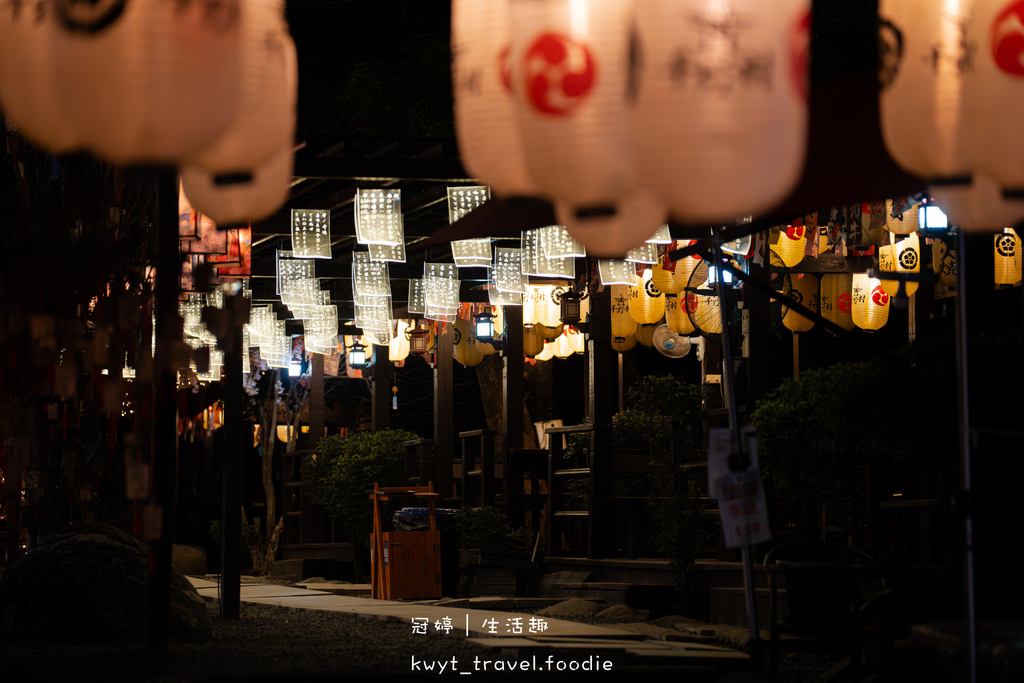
(343, 469)
(486, 530)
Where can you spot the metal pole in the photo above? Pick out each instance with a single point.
(964, 500)
(740, 460)
(165, 418)
(231, 507)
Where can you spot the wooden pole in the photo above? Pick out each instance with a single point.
(381, 391)
(316, 400)
(444, 419)
(231, 504)
(512, 379)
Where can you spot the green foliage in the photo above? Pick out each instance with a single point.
(251, 538)
(486, 530)
(345, 468)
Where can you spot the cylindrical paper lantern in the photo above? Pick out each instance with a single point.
(944, 262)
(670, 277)
(540, 307)
(250, 198)
(148, 82)
(645, 334)
(979, 206)
(533, 343)
(561, 347)
(482, 75)
(676, 314)
(789, 243)
(571, 104)
(464, 348)
(646, 303)
(835, 299)
(720, 114)
(870, 303)
(399, 347)
(905, 223)
(926, 82)
(1008, 257)
(576, 339)
(803, 290)
(624, 343)
(902, 257)
(623, 324)
(549, 333)
(28, 91)
(547, 353)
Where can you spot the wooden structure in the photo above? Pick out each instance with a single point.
(405, 564)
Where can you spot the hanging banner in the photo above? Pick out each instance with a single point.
(741, 501)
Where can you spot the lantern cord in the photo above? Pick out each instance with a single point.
(964, 510)
(739, 460)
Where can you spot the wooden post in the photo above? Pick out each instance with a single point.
(512, 379)
(444, 419)
(382, 391)
(231, 504)
(165, 422)
(316, 400)
(759, 359)
(602, 368)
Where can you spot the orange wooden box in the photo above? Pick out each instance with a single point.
(412, 565)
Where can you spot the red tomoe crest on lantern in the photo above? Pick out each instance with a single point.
(559, 73)
(879, 296)
(691, 303)
(843, 303)
(795, 232)
(800, 48)
(1008, 39)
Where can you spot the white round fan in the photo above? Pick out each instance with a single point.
(670, 344)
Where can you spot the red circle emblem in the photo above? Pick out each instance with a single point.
(691, 303)
(795, 232)
(697, 256)
(879, 296)
(843, 303)
(559, 73)
(1008, 39)
(799, 55)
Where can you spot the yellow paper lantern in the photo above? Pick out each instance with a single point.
(399, 347)
(803, 290)
(676, 313)
(706, 314)
(1008, 257)
(835, 299)
(464, 346)
(549, 333)
(671, 277)
(547, 353)
(645, 334)
(623, 324)
(902, 257)
(869, 301)
(533, 343)
(577, 341)
(904, 224)
(562, 347)
(540, 307)
(646, 303)
(789, 243)
(944, 262)
(625, 343)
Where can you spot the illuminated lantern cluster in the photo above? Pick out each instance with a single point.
(623, 112)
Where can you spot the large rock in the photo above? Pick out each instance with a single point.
(571, 607)
(91, 580)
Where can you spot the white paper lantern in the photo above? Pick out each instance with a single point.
(835, 300)
(789, 243)
(148, 82)
(264, 121)
(577, 341)
(464, 347)
(398, 349)
(902, 257)
(624, 344)
(249, 197)
(720, 115)
(485, 121)
(561, 347)
(904, 223)
(870, 303)
(571, 104)
(28, 91)
(928, 51)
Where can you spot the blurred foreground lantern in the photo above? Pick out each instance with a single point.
(869, 301)
(804, 291)
(570, 80)
(979, 206)
(720, 114)
(1008, 257)
(148, 82)
(835, 299)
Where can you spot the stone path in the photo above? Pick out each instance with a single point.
(509, 632)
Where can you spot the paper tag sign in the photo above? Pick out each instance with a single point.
(740, 495)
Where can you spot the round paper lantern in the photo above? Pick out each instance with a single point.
(926, 81)
(485, 120)
(623, 323)
(549, 333)
(870, 302)
(625, 343)
(540, 307)
(645, 334)
(1008, 257)
(979, 206)
(252, 197)
(570, 86)
(28, 91)
(547, 353)
(789, 243)
(671, 277)
(676, 314)
(646, 303)
(803, 290)
(399, 347)
(905, 223)
(902, 257)
(577, 341)
(464, 344)
(533, 343)
(148, 82)
(720, 114)
(996, 133)
(835, 300)
(561, 347)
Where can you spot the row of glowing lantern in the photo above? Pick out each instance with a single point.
(623, 112)
(210, 87)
